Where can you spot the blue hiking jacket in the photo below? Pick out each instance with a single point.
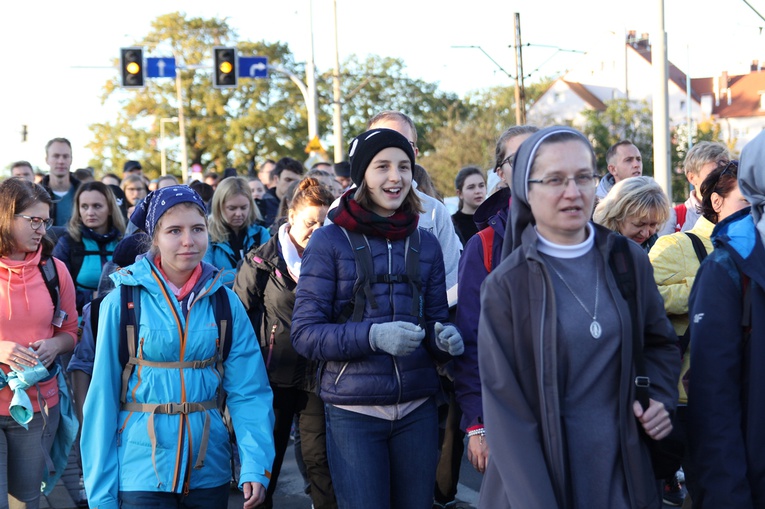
(117, 452)
(222, 256)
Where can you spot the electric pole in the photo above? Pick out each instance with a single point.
(520, 92)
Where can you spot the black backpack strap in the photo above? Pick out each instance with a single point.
(746, 316)
(698, 246)
(413, 273)
(129, 313)
(50, 276)
(701, 253)
(362, 288)
(76, 258)
(623, 267)
(224, 318)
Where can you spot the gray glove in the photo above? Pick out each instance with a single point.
(395, 338)
(448, 339)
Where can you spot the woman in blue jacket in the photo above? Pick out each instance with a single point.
(379, 378)
(155, 437)
(234, 228)
(95, 228)
(726, 403)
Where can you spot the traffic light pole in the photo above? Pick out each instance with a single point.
(181, 126)
(163, 151)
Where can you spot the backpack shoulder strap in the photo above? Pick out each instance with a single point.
(623, 267)
(129, 315)
(414, 275)
(698, 246)
(680, 213)
(50, 276)
(76, 257)
(487, 240)
(746, 316)
(224, 318)
(362, 289)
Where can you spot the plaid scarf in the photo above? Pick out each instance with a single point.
(352, 216)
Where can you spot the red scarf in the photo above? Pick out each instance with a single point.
(352, 216)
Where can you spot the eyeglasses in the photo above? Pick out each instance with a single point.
(730, 169)
(37, 222)
(557, 182)
(507, 160)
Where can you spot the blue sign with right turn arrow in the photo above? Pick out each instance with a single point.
(253, 67)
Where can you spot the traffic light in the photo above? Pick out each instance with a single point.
(224, 67)
(131, 67)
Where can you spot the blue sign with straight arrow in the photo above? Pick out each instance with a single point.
(160, 67)
(253, 67)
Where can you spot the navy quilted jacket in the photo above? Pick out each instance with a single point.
(354, 374)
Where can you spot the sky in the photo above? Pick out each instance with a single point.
(57, 56)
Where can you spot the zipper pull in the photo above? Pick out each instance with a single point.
(271, 341)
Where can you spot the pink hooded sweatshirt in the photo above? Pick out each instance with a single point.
(26, 313)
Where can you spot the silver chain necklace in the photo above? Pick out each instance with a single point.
(595, 328)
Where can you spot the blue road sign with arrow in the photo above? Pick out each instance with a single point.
(160, 67)
(253, 67)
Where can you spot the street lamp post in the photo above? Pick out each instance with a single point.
(163, 151)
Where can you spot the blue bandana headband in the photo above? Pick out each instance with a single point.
(147, 214)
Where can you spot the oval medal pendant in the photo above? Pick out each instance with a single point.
(595, 329)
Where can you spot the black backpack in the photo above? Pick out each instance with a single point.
(365, 277)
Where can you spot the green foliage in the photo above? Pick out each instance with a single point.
(621, 120)
(260, 118)
(469, 135)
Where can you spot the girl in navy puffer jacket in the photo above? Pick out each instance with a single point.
(379, 377)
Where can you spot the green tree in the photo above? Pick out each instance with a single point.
(231, 127)
(469, 136)
(371, 85)
(621, 120)
(260, 118)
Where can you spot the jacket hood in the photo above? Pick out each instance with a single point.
(520, 212)
(13, 273)
(491, 206)
(750, 180)
(735, 231)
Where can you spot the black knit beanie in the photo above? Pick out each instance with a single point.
(367, 145)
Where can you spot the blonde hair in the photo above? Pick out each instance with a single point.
(639, 197)
(116, 219)
(228, 188)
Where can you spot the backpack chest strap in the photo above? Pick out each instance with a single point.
(137, 361)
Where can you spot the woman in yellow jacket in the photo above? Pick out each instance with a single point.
(675, 264)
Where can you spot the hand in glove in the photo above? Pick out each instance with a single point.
(395, 338)
(448, 339)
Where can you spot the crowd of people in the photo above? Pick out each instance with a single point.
(547, 328)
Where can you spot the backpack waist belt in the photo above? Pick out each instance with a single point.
(184, 408)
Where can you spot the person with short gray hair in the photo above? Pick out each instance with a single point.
(699, 162)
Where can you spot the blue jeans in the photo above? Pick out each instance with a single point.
(22, 460)
(207, 498)
(380, 464)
